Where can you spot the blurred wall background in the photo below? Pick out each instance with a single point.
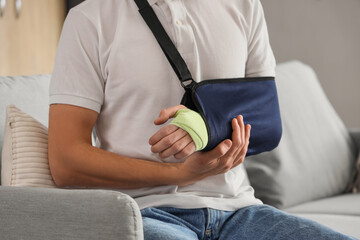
(29, 35)
(324, 34)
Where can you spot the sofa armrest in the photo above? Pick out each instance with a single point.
(355, 134)
(39, 213)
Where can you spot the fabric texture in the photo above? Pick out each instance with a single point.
(57, 214)
(192, 122)
(254, 222)
(25, 152)
(30, 93)
(341, 213)
(109, 61)
(316, 155)
(345, 204)
(219, 101)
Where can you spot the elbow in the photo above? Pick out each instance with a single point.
(60, 168)
(59, 173)
(69, 138)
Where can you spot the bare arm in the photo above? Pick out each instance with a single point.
(74, 162)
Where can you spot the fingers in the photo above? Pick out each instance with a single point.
(168, 140)
(240, 139)
(242, 130)
(201, 165)
(236, 140)
(219, 151)
(162, 133)
(168, 113)
(187, 151)
(225, 156)
(242, 153)
(180, 149)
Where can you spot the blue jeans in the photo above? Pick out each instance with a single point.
(253, 222)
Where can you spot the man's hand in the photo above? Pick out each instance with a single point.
(171, 140)
(227, 155)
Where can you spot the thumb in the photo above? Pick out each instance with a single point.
(221, 149)
(168, 113)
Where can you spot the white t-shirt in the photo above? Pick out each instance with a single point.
(109, 61)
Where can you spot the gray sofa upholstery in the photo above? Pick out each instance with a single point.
(39, 213)
(339, 212)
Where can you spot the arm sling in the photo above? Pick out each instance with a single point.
(218, 101)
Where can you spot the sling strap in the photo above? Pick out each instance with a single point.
(171, 53)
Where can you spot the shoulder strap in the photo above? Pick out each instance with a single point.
(171, 53)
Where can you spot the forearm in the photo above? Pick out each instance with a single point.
(86, 166)
(74, 162)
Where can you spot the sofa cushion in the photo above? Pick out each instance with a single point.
(25, 151)
(316, 154)
(29, 93)
(342, 223)
(346, 204)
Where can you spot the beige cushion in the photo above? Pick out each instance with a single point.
(29, 93)
(25, 151)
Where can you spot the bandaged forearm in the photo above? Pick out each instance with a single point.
(192, 122)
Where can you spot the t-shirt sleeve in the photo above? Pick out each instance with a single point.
(261, 60)
(77, 78)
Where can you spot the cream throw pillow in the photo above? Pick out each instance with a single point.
(25, 151)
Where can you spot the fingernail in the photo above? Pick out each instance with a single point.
(228, 144)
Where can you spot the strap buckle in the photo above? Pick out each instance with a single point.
(187, 83)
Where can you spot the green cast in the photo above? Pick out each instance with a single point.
(192, 122)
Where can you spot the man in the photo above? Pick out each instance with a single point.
(111, 73)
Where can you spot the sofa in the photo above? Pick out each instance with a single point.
(309, 174)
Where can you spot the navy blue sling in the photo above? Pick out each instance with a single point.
(220, 100)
